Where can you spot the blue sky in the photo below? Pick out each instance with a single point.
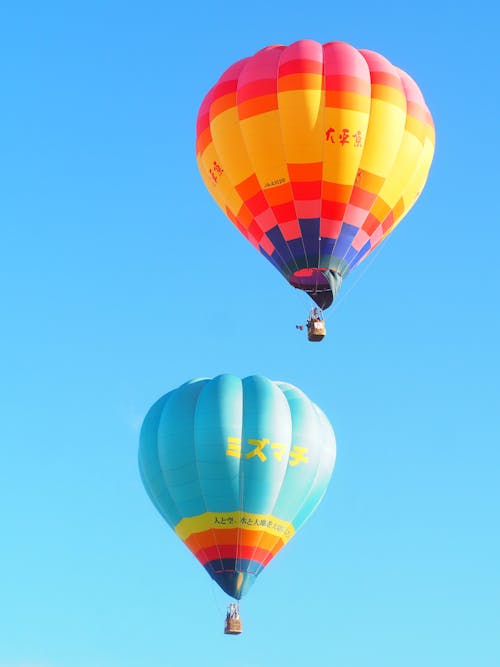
(118, 278)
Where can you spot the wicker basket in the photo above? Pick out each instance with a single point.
(233, 626)
(316, 331)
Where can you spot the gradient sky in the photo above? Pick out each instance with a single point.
(120, 279)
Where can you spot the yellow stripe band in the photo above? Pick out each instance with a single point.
(222, 520)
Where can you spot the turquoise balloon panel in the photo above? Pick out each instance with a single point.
(266, 433)
(305, 454)
(149, 464)
(328, 450)
(217, 430)
(176, 449)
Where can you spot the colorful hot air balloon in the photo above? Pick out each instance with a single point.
(315, 152)
(236, 467)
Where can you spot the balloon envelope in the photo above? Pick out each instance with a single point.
(315, 152)
(235, 467)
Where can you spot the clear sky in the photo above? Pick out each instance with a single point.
(120, 279)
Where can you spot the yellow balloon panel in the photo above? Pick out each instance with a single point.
(227, 137)
(264, 145)
(404, 166)
(218, 184)
(204, 166)
(302, 122)
(417, 181)
(343, 139)
(384, 136)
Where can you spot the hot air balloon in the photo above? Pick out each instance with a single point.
(315, 153)
(235, 467)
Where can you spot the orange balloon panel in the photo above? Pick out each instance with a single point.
(315, 153)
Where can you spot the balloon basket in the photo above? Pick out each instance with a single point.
(316, 331)
(233, 626)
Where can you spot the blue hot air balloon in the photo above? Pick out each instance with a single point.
(235, 467)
